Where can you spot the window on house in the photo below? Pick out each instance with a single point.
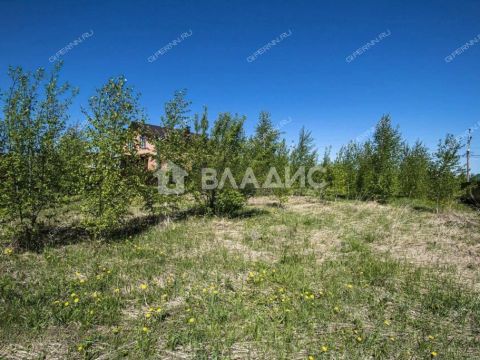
(143, 142)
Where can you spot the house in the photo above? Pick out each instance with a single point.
(147, 134)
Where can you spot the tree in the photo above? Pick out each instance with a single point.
(386, 154)
(445, 171)
(30, 164)
(114, 175)
(266, 151)
(414, 175)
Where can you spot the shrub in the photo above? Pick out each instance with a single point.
(229, 202)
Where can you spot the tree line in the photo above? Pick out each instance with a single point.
(47, 165)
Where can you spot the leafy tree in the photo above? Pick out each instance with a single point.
(386, 149)
(266, 151)
(304, 154)
(445, 171)
(74, 156)
(30, 161)
(414, 171)
(114, 175)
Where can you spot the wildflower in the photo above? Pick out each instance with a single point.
(392, 338)
(145, 329)
(82, 281)
(8, 251)
(159, 309)
(115, 330)
(191, 320)
(350, 286)
(386, 322)
(73, 295)
(66, 303)
(95, 294)
(359, 339)
(324, 348)
(148, 315)
(336, 309)
(311, 357)
(76, 300)
(91, 312)
(80, 348)
(434, 353)
(430, 337)
(143, 286)
(116, 291)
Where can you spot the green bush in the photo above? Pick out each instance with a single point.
(229, 202)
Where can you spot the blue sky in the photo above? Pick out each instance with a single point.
(302, 80)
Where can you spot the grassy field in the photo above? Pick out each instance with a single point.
(312, 280)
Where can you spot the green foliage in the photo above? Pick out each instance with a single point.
(114, 171)
(30, 156)
(414, 171)
(229, 202)
(385, 159)
(445, 171)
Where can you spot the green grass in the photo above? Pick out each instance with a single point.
(283, 283)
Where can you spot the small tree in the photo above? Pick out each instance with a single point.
(114, 175)
(386, 154)
(414, 175)
(445, 171)
(30, 161)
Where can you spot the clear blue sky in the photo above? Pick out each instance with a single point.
(303, 80)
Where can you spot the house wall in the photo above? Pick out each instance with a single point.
(149, 153)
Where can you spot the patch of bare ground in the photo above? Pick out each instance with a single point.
(445, 241)
(324, 244)
(229, 234)
(52, 345)
(440, 241)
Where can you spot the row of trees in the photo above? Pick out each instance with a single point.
(386, 166)
(46, 165)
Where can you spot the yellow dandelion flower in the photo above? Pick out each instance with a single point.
(80, 348)
(434, 353)
(8, 251)
(82, 281)
(116, 291)
(336, 309)
(392, 338)
(311, 297)
(386, 322)
(324, 348)
(145, 329)
(91, 312)
(159, 309)
(148, 315)
(430, 337)
(76, 300)
(311, 357)
(359, 339)
(350, 286)
(73, 295)
(115, 330)
(191, 320)
(66, 303)
(95, 294)
(143, 286)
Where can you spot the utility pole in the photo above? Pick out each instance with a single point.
(469, 141)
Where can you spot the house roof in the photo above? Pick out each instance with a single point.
(151, 130)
